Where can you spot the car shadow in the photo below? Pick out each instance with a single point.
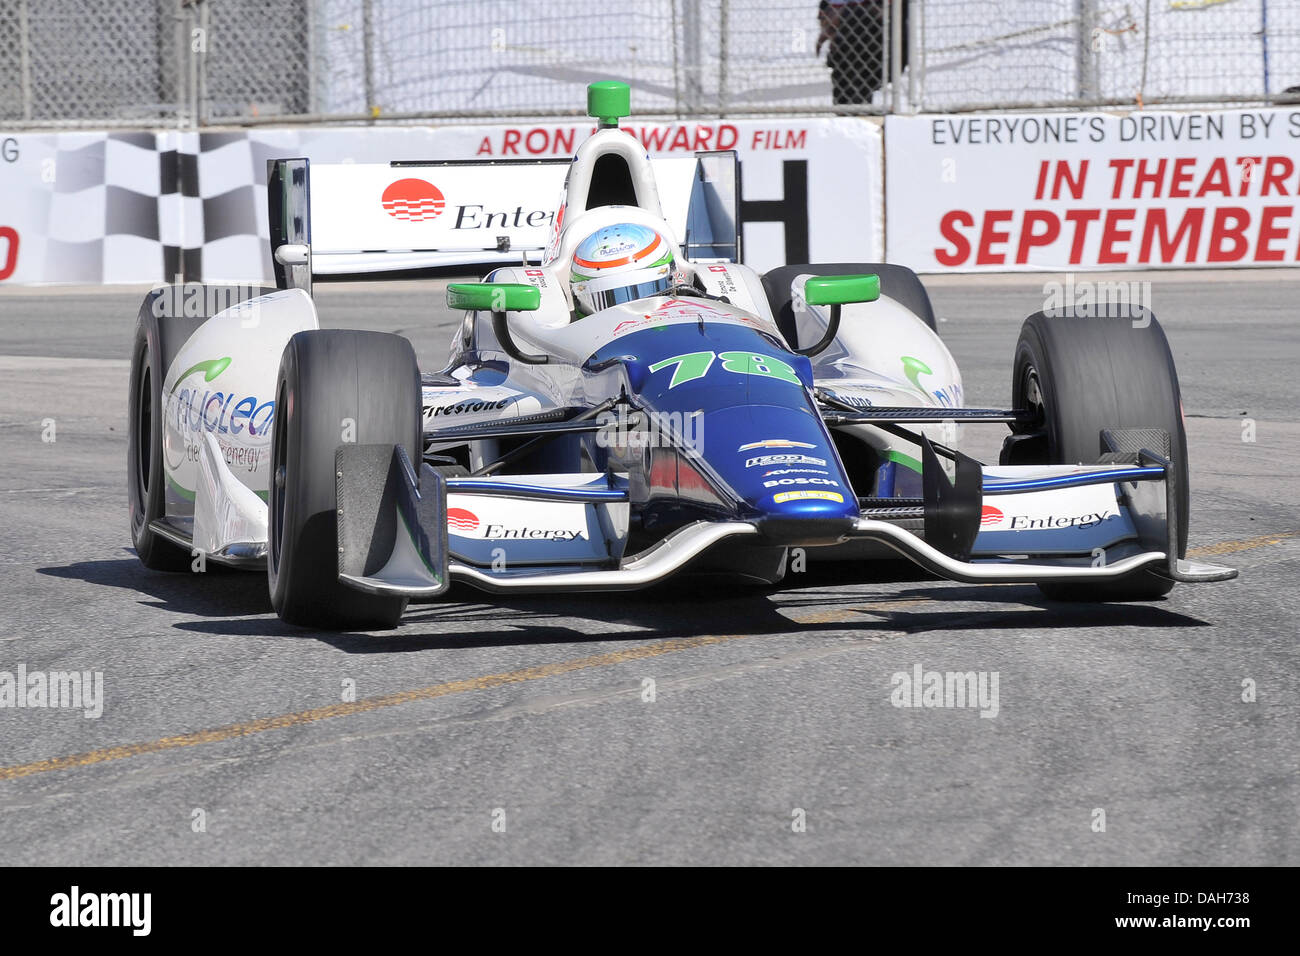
(221, 592)
(236, 604)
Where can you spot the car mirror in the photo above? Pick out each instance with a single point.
(836, 291)
(494, 297)
(499, 298)
(841, 290)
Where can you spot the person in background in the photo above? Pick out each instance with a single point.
(855, 32)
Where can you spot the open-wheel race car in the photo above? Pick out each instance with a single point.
(624, 402)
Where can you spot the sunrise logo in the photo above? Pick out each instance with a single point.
(990, 515)
(414, 200)
(458, 519)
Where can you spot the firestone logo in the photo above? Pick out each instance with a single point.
(413, 200)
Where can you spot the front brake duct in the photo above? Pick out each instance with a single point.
(952, 510)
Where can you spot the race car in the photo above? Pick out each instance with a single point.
(625, 401)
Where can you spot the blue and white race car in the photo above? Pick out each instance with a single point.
(627, 402)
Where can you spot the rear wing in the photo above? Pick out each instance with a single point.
(331, 219)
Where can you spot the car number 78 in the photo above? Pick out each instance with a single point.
(695, 365)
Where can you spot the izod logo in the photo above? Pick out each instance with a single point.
(414, 200)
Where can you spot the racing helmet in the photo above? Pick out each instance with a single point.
(619, 263)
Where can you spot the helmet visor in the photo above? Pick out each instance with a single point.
(628, 293)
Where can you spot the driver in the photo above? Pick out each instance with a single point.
(619, 263)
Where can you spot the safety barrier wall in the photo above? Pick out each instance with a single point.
(111, 207)
(980, 192)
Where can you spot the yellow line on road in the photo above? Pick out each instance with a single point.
(248, 728)
(489, 681)
(1231, 547)
(845, 614)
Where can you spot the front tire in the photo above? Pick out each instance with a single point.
(333, 386)
(1084, 374)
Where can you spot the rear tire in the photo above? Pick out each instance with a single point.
(158, 338)
(163, 326)
(326, 378)
(896, 282)
(1083, 374)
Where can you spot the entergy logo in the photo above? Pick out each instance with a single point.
(990, 516)
(413, 200)
(459, 519)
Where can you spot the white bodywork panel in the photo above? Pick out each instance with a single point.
(226, 511)
(218, 412)
(1060, 521)
(481, 527)
(884, 356)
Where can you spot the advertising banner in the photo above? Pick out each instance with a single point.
(811, 189)
(1077, 191)
(146, 207)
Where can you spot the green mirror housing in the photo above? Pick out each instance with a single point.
(499, 298)
(837, 291)
(493, 297)
(841, 290)
(609, 101)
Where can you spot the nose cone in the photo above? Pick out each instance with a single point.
(781, 461)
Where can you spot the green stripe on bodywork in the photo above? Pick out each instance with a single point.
(189, 495)
(183, 492)
(416, 544)
(907, 461)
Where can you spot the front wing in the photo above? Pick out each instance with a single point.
(1000, 524)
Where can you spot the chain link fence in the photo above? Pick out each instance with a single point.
(193, 63)
(414, 58)
(76, 60)
(977, 54)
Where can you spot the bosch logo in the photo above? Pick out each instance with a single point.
(990, 515)
(414, 200)
(458, 519)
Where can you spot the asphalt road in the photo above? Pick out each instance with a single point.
(521, 730)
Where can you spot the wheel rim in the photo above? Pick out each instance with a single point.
(144, 429)
(1032, 396)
